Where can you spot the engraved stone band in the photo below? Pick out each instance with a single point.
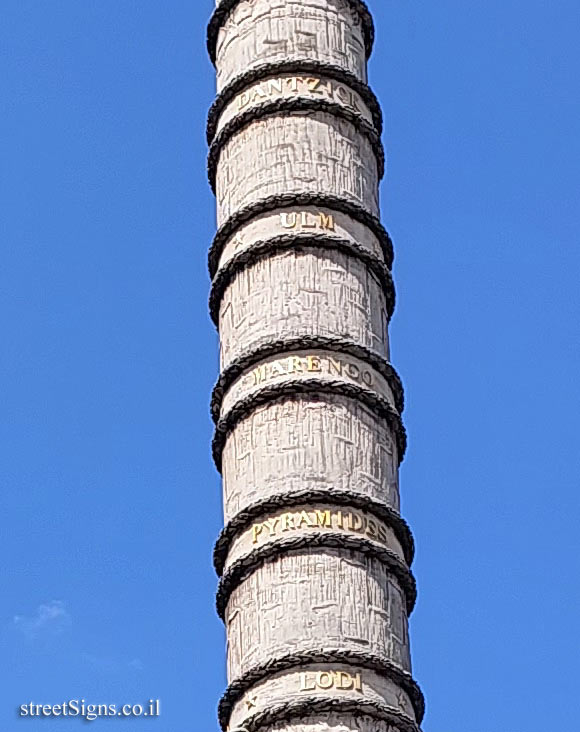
(288, 502)
(321, 682)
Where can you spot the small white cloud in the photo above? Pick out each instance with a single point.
(50, 619)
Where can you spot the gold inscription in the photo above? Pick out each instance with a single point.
(296, 84)
(320, 518)
(312, 680)
(307, 220)
(331, 365)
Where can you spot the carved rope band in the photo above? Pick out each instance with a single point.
(305, 66)
(311, 706)
(286, 200)
(289, 500)
(248, 564)
(223, 10)
(300, 105)
(302, 343)
(314, 388)
(363, 659)
(263, 248)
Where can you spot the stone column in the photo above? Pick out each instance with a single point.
(314, 561)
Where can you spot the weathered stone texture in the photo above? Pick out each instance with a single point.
(312, 520)
(306, 600)
(289, 685)
(261, 31)
(315, 152)
(295, 86)
(334, 442)
(327, 367)
(299, 220)
(315, 596)
(333, 722)
(295, 293)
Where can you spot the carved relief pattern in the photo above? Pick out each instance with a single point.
(315, 152)
(304, 600)
(315, 587)
(334, 442)
(272, 30)
(324, 293)
(299, 220)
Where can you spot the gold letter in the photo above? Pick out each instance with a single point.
(326, 222)
(354, 517)
(353, 371)
(342, 94)
(293, 82)
(294, 364)
(256, 529)
(357, 682)
(313, 363)
(276, 369)
(336, 365)
(304, 519)
(367, 377)
(382, 533)
(287, 521)
(344, 681)
(275, 85)
(288, 221)
(304, 683)
(371, 529)
(353, 101)
(271, 525)
(313, 85)
(259, 374)
(324, 680)
(323, 518)
(259, 92)
(305, 223)
(244, 99)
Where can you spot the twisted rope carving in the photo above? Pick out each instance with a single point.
(286, 200)
(268, 347)
(362, 659)
(292, 106)
(303, 66)
(224, 9)
(248, 564)
(307, 707)
(263, 248)
(314, 388)
(306, 497)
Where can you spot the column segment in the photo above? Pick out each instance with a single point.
(314, 560)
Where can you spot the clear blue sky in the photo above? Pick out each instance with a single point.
(109, 500)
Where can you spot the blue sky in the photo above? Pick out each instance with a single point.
(109, 500)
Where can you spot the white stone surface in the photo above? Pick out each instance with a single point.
(324, 366)
(305, 599)
(333, 443)
(289, 685)
(314, 292)
(314, 519)
(261, 31)
(314, 152)
(299, 220)
(295, 86)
